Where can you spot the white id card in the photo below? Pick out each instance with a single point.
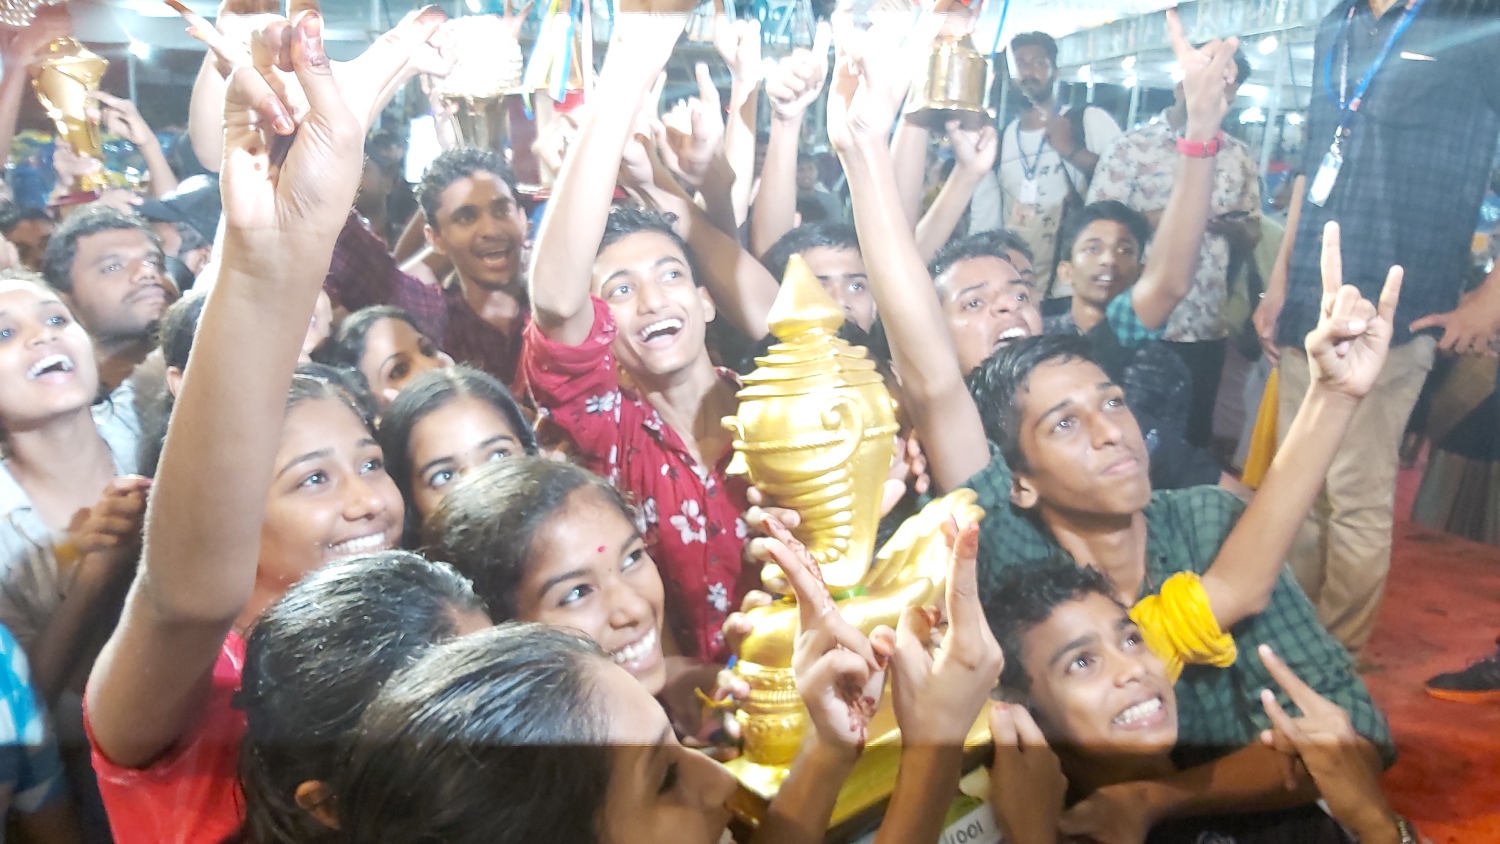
(1029, 192)
(1328, 173)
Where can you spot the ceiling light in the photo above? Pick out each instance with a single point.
(139, 49)
(1294, 119)
(1127, 63)
(1253, 114)
(1268, 45)
(1085, 74)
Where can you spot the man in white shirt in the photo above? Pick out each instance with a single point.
(1047, 158)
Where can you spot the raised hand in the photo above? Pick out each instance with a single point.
(1027, 786)
(873, 70)
(973, 149)
(800, 77)
(738, 43)
(690, 137)
(123, 118)
(253, 37)
(1347, 349)
(23, 44)
(1324, 740)
(840, 676)
(939, 692)
(306, 196)
(1207, 81)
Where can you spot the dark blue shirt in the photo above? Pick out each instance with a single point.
(1416, 165)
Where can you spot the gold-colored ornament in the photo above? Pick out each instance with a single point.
(816, 432)
(955, 85)
(63, 76)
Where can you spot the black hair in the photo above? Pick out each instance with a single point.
(493, 738)
(1242, 69)
(174, 339)
(318, 381)
(1025, 596)
(808, 236)
(982, 245)
(57, 263)
(12, 215)
(346, 346)
(997, 385)
(313, 662)
(1036, 39)
(487, 525)
(626, 220)
(1110, 209)
(427, 393)
(455, 164)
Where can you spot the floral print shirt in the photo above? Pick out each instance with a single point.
(1138, 170)
(689, 514)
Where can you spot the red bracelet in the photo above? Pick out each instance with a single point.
(1200, 149)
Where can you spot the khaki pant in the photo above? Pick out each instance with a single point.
(1343, 552)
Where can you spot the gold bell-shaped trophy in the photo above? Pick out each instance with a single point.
(63, 77)
(955, 84)
(815, 431)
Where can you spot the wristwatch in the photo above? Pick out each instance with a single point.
(1200, 149)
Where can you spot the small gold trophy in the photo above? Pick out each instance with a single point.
(954, 86)
(63, 77)
(816, 432)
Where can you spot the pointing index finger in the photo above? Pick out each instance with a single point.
(1301, 694)
(1331, 263)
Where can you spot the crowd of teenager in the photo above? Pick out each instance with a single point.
(326, 526)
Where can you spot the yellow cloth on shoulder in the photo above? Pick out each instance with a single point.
(1179, 626)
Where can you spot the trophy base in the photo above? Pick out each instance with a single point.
(866, 788)
(935, 116)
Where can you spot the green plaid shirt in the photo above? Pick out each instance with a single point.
(1218, 709)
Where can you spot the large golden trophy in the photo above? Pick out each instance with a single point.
(816, 432)
(63, 77)
(488, 69)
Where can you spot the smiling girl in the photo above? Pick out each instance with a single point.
(443, 424)
(60, 454)
(265, 475)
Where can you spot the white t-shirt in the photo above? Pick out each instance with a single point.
(1002, 202)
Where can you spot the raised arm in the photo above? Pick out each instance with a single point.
(909, 156)
(738, 42)
(866, 91)
(974, 156)
(689, 150)
(1173, 259)
(203, 534)
(1346, 352)
(563, 258)
(792, 88)
(18, 51)
(123, 118)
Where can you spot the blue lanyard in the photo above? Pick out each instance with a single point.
(1028, 170)
(1348, 105)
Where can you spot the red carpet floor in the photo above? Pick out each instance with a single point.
(1441, 611)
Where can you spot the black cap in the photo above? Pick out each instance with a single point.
(195, 202)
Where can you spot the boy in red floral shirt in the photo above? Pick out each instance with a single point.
(616, 354)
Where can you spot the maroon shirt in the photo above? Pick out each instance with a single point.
(363, 273)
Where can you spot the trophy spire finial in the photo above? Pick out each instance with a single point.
(803, 305)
